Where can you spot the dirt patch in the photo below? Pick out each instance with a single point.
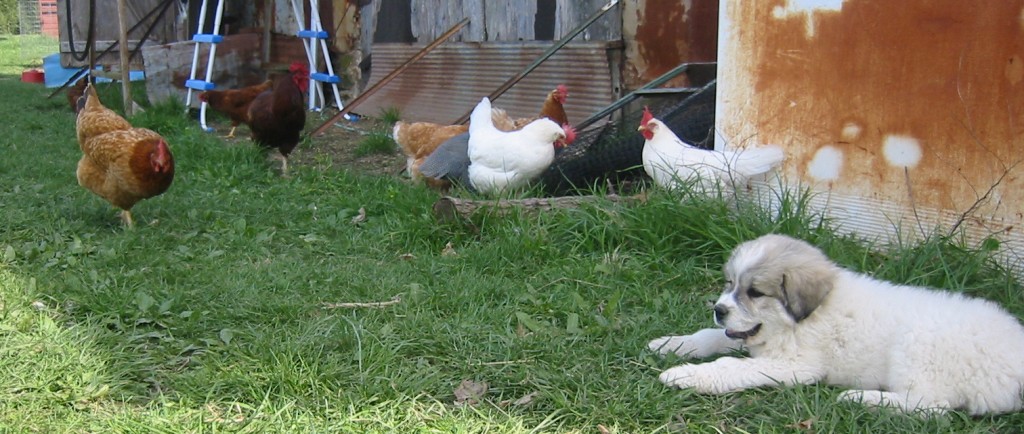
(335, 148)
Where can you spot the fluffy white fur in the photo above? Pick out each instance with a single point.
(804, 320)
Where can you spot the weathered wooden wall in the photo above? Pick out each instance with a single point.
(168, 66)
(494, 20)
(107, 27)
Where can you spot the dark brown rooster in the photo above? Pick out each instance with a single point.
(278, 115)
(75, 92)
(234, 102)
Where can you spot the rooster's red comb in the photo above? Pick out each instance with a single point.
(298, 66)
(570, 133)
(647, 116)
(562, 89)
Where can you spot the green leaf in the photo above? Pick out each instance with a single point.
(164, 307)
(226, 335)
(572, 324)
(144, 301)
(9, 254)
(530, 323)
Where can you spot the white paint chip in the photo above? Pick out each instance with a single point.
(827, 164)
(901, 151)
(851, 131)
(807, 8)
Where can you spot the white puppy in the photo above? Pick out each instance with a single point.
(804, 319)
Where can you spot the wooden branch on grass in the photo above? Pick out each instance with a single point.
(375, 304)
(450, 208)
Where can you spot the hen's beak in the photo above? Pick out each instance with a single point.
(641, 128)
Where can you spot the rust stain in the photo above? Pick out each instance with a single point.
(922, 70)
(1014, 69)
(669, 33)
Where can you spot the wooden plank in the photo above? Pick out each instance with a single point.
(570, 13)
(106, 32)
(126, 82)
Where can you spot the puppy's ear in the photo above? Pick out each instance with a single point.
(804, 290)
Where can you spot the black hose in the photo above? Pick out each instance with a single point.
(166, 5)
(90, 35)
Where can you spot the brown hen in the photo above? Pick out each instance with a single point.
(420, 139)
(120, 163)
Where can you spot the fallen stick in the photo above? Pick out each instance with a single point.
(450, 208)
(375, 304)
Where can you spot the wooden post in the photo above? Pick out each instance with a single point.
(126, 83)
(267, 22)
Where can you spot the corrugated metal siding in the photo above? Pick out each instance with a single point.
(916, 105)
(450, 81)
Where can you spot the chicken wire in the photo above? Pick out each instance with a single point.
(612, 152)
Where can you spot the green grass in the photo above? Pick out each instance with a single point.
(376, 142)
(209, 315)
(21, 52)
(390, 115)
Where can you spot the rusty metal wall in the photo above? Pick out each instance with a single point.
(661, 34)
(902, 115)
(452, 79)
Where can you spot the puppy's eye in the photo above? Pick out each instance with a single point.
(754, 293)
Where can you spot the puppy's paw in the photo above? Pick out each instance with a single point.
(682, 346)
(682, 376)
(701, 344)
(701, 378)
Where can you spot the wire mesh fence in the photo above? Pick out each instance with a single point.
(28, 33)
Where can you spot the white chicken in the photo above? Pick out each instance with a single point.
(502, 161)
(670, 161)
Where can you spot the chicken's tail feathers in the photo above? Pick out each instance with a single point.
(449, 161)
(755, 161)
(481, 116)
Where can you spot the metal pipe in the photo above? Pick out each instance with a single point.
(391, 76)
(664, 78)
(544, 56)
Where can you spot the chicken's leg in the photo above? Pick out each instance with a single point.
(231, 134)
(126, 216)
(284, 163)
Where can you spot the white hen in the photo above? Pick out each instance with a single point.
(501, 161)
(669, 160)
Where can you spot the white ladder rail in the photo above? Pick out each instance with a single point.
(200, 38)
(310, 37)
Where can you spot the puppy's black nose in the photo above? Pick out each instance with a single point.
(721, 312)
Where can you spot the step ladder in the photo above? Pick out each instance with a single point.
(204, 38)
(313, 36)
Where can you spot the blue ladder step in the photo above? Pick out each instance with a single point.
(325, 78)
(208, 38)
(312, 34)
(199, 85)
